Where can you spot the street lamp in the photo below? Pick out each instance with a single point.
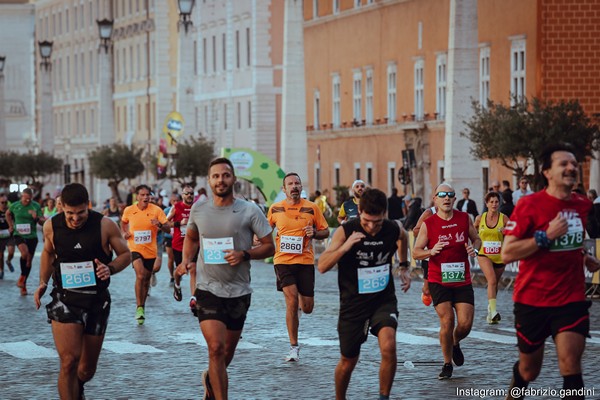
(185, 13)
(45, 53)
(2, 118)
(105, 28)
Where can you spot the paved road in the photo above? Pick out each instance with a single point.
(164, 358)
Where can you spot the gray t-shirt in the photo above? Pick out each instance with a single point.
(238, 222)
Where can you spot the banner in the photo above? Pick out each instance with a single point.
(172, 130)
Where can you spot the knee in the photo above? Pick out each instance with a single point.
(447, 323)
(346, 365)
(292, 303)
(388, 353)
(69, 362)
(87, 373)
(308, 307)
(216, 351)
(529, 374)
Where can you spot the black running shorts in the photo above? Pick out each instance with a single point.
(455, 294)
(231, 311)
(535, 324)
(353, 333)
(301, 275)
(148, 263)
(89, 310)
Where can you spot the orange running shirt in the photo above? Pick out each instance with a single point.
(143, 233)
(291, 245)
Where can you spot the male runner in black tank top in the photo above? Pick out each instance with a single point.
(363, 249)
(77, 254)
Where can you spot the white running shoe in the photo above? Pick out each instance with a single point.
(294, 354)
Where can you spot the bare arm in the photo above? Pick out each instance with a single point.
(403, 257)
(46, 263)
(339, 246)
(419, 252)
(9, 220)
(118, 244)
(426, 214)
(125, 229)
(478, 221)
(475, 241)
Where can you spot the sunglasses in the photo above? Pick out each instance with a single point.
(441, 195)
(3, 202)
(188, 193)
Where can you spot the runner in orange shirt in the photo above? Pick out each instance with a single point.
(140, 224)
(298, 221)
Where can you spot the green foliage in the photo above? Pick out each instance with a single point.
(115, 163)
(32, 168)
(7, 166)
(517, 135)
(193, 157)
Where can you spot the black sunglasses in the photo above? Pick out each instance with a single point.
(441, 195)
(188, 193)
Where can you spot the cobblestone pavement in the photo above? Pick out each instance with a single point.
(164, 358)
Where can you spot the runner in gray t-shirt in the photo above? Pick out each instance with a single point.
(223, 228)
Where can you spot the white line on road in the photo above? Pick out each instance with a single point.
(407, 338)
(27, 350)
(197, 338)
(490, 337)
(129, 348)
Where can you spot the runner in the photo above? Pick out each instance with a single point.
(77, 254)
(546, 233)
(140, 224)
(444, 238)
(349, 208)
(22, 218)
(168, 243)
(298, 222)
(490, 226)
(425, 294)
(179, 216)
(227, 227)
(113, 211)
(50, 209)
(363, 249)
(5, 234)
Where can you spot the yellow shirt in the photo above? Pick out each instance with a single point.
(491, 238)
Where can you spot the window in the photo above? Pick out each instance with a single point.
(517, 70)
(68, 63)
(357, 171)
(336, 174)
(317, 175)
(214, 53)
(249, 114)
(369, 97)
(357, 3)
(336, 6)
(91, 64)
(75, 18)
(357, 96)
(195, 58)
(248, 46)
(391, 93)
(316, 116)
(75, 70)
(336, 101)
(484, 76)
(419, 89)
(369, 174)
(316, 15)
(131, 75)
(224, 40)
(237, 49)
(92, 121)
(239, 115)
(225, 116)
(391, 176)
(204, 65)
(440, 83)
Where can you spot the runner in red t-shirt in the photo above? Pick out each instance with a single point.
(448, 238)
(546, 233)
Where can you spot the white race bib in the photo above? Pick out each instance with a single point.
(491, 247)
(453, 272)
(77, 275)
(24, 229)
(373, 279)
(571, 240)
(212, 249)
(183, 230)
(116, 219)
(4, 233)
(142, 237)
(291, 244)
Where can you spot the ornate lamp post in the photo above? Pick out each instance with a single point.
(105, 29)
(185, 13)
(3, 142)
(46, 129)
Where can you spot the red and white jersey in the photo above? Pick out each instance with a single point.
(550, 277)
(182, 211)
(451, 266)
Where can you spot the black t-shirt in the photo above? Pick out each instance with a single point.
(395, 207)
(79, 246)
(365, 275)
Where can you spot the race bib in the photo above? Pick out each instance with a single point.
(491, 248)
(24, 229)
(4, 233)
(142, 237)
(116, 219)
(291, 244)
(373, 279)
(212, 249)
(77, 275)
(183, 230)
(453, 272)
(571, 240)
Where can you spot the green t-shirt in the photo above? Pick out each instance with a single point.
(23, 220)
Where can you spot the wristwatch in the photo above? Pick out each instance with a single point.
(541, 239)
(246, 256)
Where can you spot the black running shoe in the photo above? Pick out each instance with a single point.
(446, 372)
(457, 355)
(177, 293)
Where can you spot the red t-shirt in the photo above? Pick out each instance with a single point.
(182, 211)
(550, 277)
(451, 266)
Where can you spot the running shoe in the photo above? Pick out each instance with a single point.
(193, 306)
(446, 372)
(153, 279)
(140, 315)
(10, 266)
(208, 390)
(457, 355)
(493, 320)
(177, 292)
(426, 299)
(294, 354)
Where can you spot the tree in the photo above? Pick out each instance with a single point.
(7, 166)
(193, 157)
(517, 135)
(32, 168)
(116, 163)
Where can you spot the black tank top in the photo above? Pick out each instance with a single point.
(361, 280)
(78, 245)
(3, 223)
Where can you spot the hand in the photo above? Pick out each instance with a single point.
(37, 296)
(154, 222)
(182, 269)
(309, 231)
(126, 235)
(425, 289)
(592, 263)
(557, 227)
(102, 270)
(435, 250)
(405, 279)
(234, 257)
(184, 221)
(352, 240)
(470, 250)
